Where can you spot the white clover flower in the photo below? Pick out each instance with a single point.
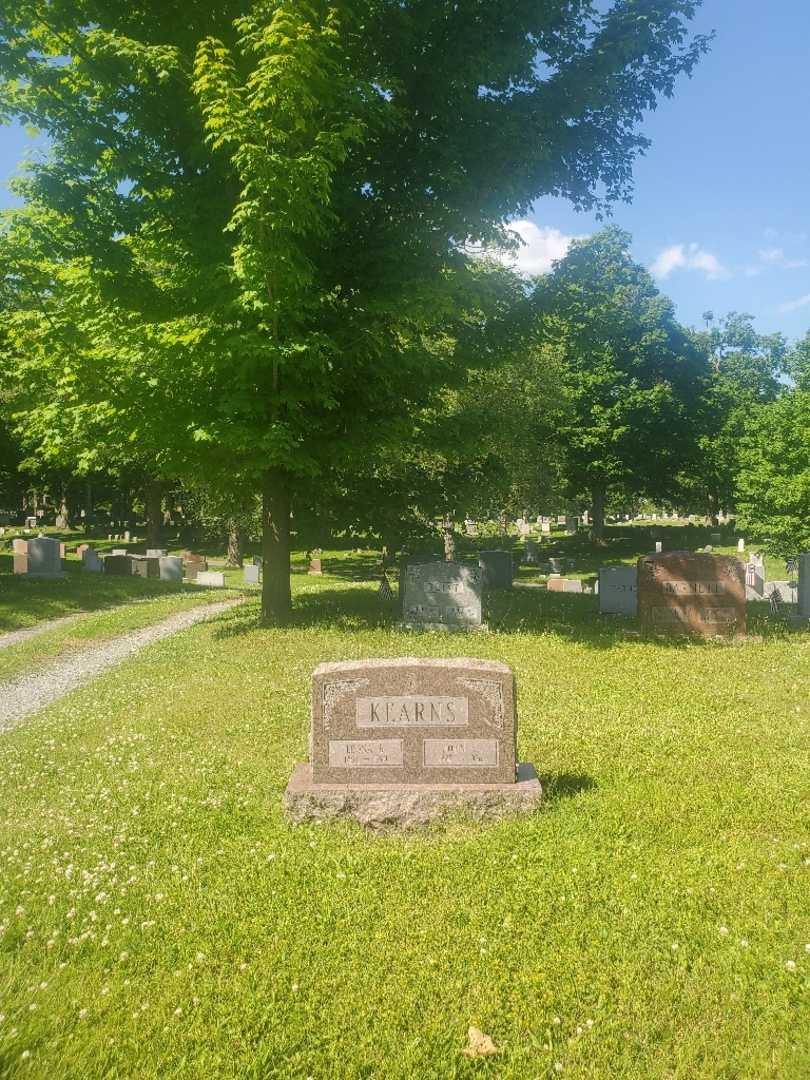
(790, 965)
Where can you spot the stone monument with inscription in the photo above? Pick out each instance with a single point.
(686, 593)
(396, 742)
(442, 596)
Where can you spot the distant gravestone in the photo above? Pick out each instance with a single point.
(31, 522)
(556, 565)
(118, 565)
(741, 547)
(531, 553)
(573, 585)
(156, 553)
(754, 581)
(315, 568)
(789, 590)
(145, 567)
(618, 590)
(252, 574)
(659, 547)
(91, 561)
(716, 538)
(571, 525)
(545, 528)
(556, 583)
(395, 742)
(497, 569)
(44, 557)
(194, 564)
(804, 585)
(214, 579)
(171, 568)
(685, 593)
(442, 595)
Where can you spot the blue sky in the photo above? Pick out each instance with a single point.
(720, 211)
(721, 200)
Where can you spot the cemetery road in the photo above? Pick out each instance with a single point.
(28, 694)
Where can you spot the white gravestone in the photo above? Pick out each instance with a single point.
(618, 590)
(213, 578)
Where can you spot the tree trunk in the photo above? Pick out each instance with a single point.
(449, 539)
(63, 516)
(711, 513)
(276, 596)
(153, 504)
(236, 544)
(598, 514)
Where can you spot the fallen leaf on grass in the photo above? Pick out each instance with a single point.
(479, 1044)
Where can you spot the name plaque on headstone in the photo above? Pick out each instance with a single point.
(442, 595)
(686, 593)
(439, 715)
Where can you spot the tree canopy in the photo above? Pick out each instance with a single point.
(258, 212)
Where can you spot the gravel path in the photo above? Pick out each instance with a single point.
(14, 637)
(29, 693)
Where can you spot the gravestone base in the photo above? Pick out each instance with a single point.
(382, 807)
(449, 628)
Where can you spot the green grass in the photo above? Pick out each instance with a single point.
(160, 918)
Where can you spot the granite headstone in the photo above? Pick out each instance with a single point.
(686, 593)
(442, 595)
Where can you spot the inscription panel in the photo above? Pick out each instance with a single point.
(411, 710)
(460, 753)
(413, 721)
(365, 753)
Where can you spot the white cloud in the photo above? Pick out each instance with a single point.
(691, 257)
(794, 305)
(775, 256)
(540, 248)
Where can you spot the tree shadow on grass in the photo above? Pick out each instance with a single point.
(559, 786)
(570, 616)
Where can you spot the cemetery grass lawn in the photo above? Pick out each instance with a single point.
(159, 917)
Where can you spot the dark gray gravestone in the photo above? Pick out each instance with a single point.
(44, 557)
(497, 569)
(442, 596)
(91, 562)
(119, 565)
(171, 568)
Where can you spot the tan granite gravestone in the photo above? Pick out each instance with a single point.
(682, 592)
(556, 583)
(394, 742)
